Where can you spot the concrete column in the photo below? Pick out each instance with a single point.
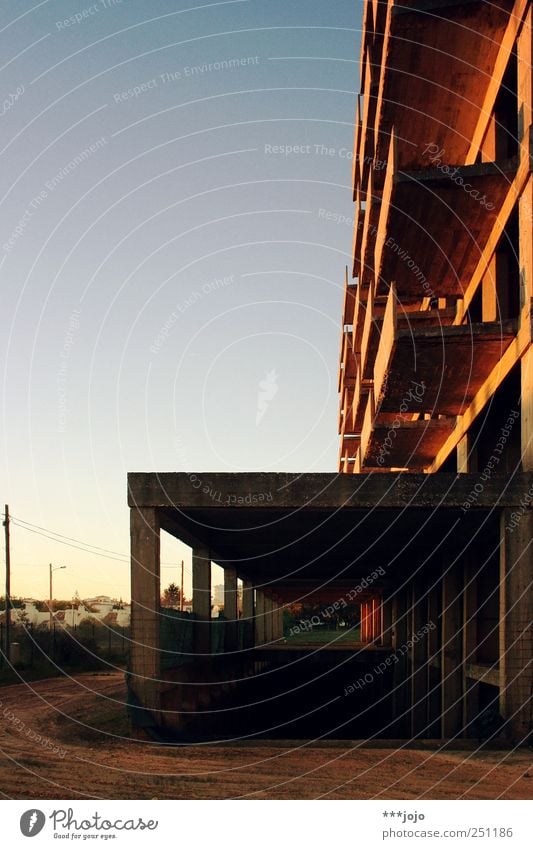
(434, 661)
(365, 622)
(516, 623)
(230, 608)
(451, 653)
(470, 686)
(145, 607)
(201, 599)
(419, 655)
(259, 618)
(386, 621)
(466, 455)
(269, 619)
(516, 528)
(277, 630)
(248, 613)
(400, 695)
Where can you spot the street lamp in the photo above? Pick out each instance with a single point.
(52, 569)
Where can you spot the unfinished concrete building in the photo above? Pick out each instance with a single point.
(427, 526)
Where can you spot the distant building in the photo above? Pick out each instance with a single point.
(96, 609)
(101, 603)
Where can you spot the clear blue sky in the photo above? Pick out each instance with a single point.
(171, 285)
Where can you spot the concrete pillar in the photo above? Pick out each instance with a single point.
(516, 528)
(269, 619)
(259, 618)
(466, 455)
(516, 623)
(145, 607)
(434, 662)
(365, 622)
(386, 621)
(248, 613)
(451, 653)
(277, 630)
(400, 695)
(201, 599)
(230, 608)
(470, 686)
(419, 655)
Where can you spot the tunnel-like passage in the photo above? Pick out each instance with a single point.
(372, 606)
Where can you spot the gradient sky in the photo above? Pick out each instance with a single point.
(150, 286)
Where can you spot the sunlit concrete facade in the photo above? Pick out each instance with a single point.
(436, 367)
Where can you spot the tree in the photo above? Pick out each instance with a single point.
(13, 602)
(23, 618)
(171, 596)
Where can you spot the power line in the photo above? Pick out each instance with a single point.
(71, 542)
(121, 558)
(72, 539)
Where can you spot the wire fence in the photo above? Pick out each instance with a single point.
(88, 645)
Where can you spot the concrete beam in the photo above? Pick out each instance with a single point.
(485, 674)
(201, 599)
(271, 490)
(145, 608)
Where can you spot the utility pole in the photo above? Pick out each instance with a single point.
(51, 596)
(181, 590)
(8, 586)
(50, 617)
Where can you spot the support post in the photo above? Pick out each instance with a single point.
(280, 618)
(470, 686)
(516, 528)
(466, 455)
(145, 608)
(418, 661)
(400, 695)
(230, 608)
(386, 621)
(7, 646)
(516, 625)
(259, 618)
(201, 599)
(451, 654)
(434, 661)
(277, 629)
(248, 613)
(269, 619)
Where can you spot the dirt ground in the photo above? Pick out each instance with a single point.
(68, 739)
